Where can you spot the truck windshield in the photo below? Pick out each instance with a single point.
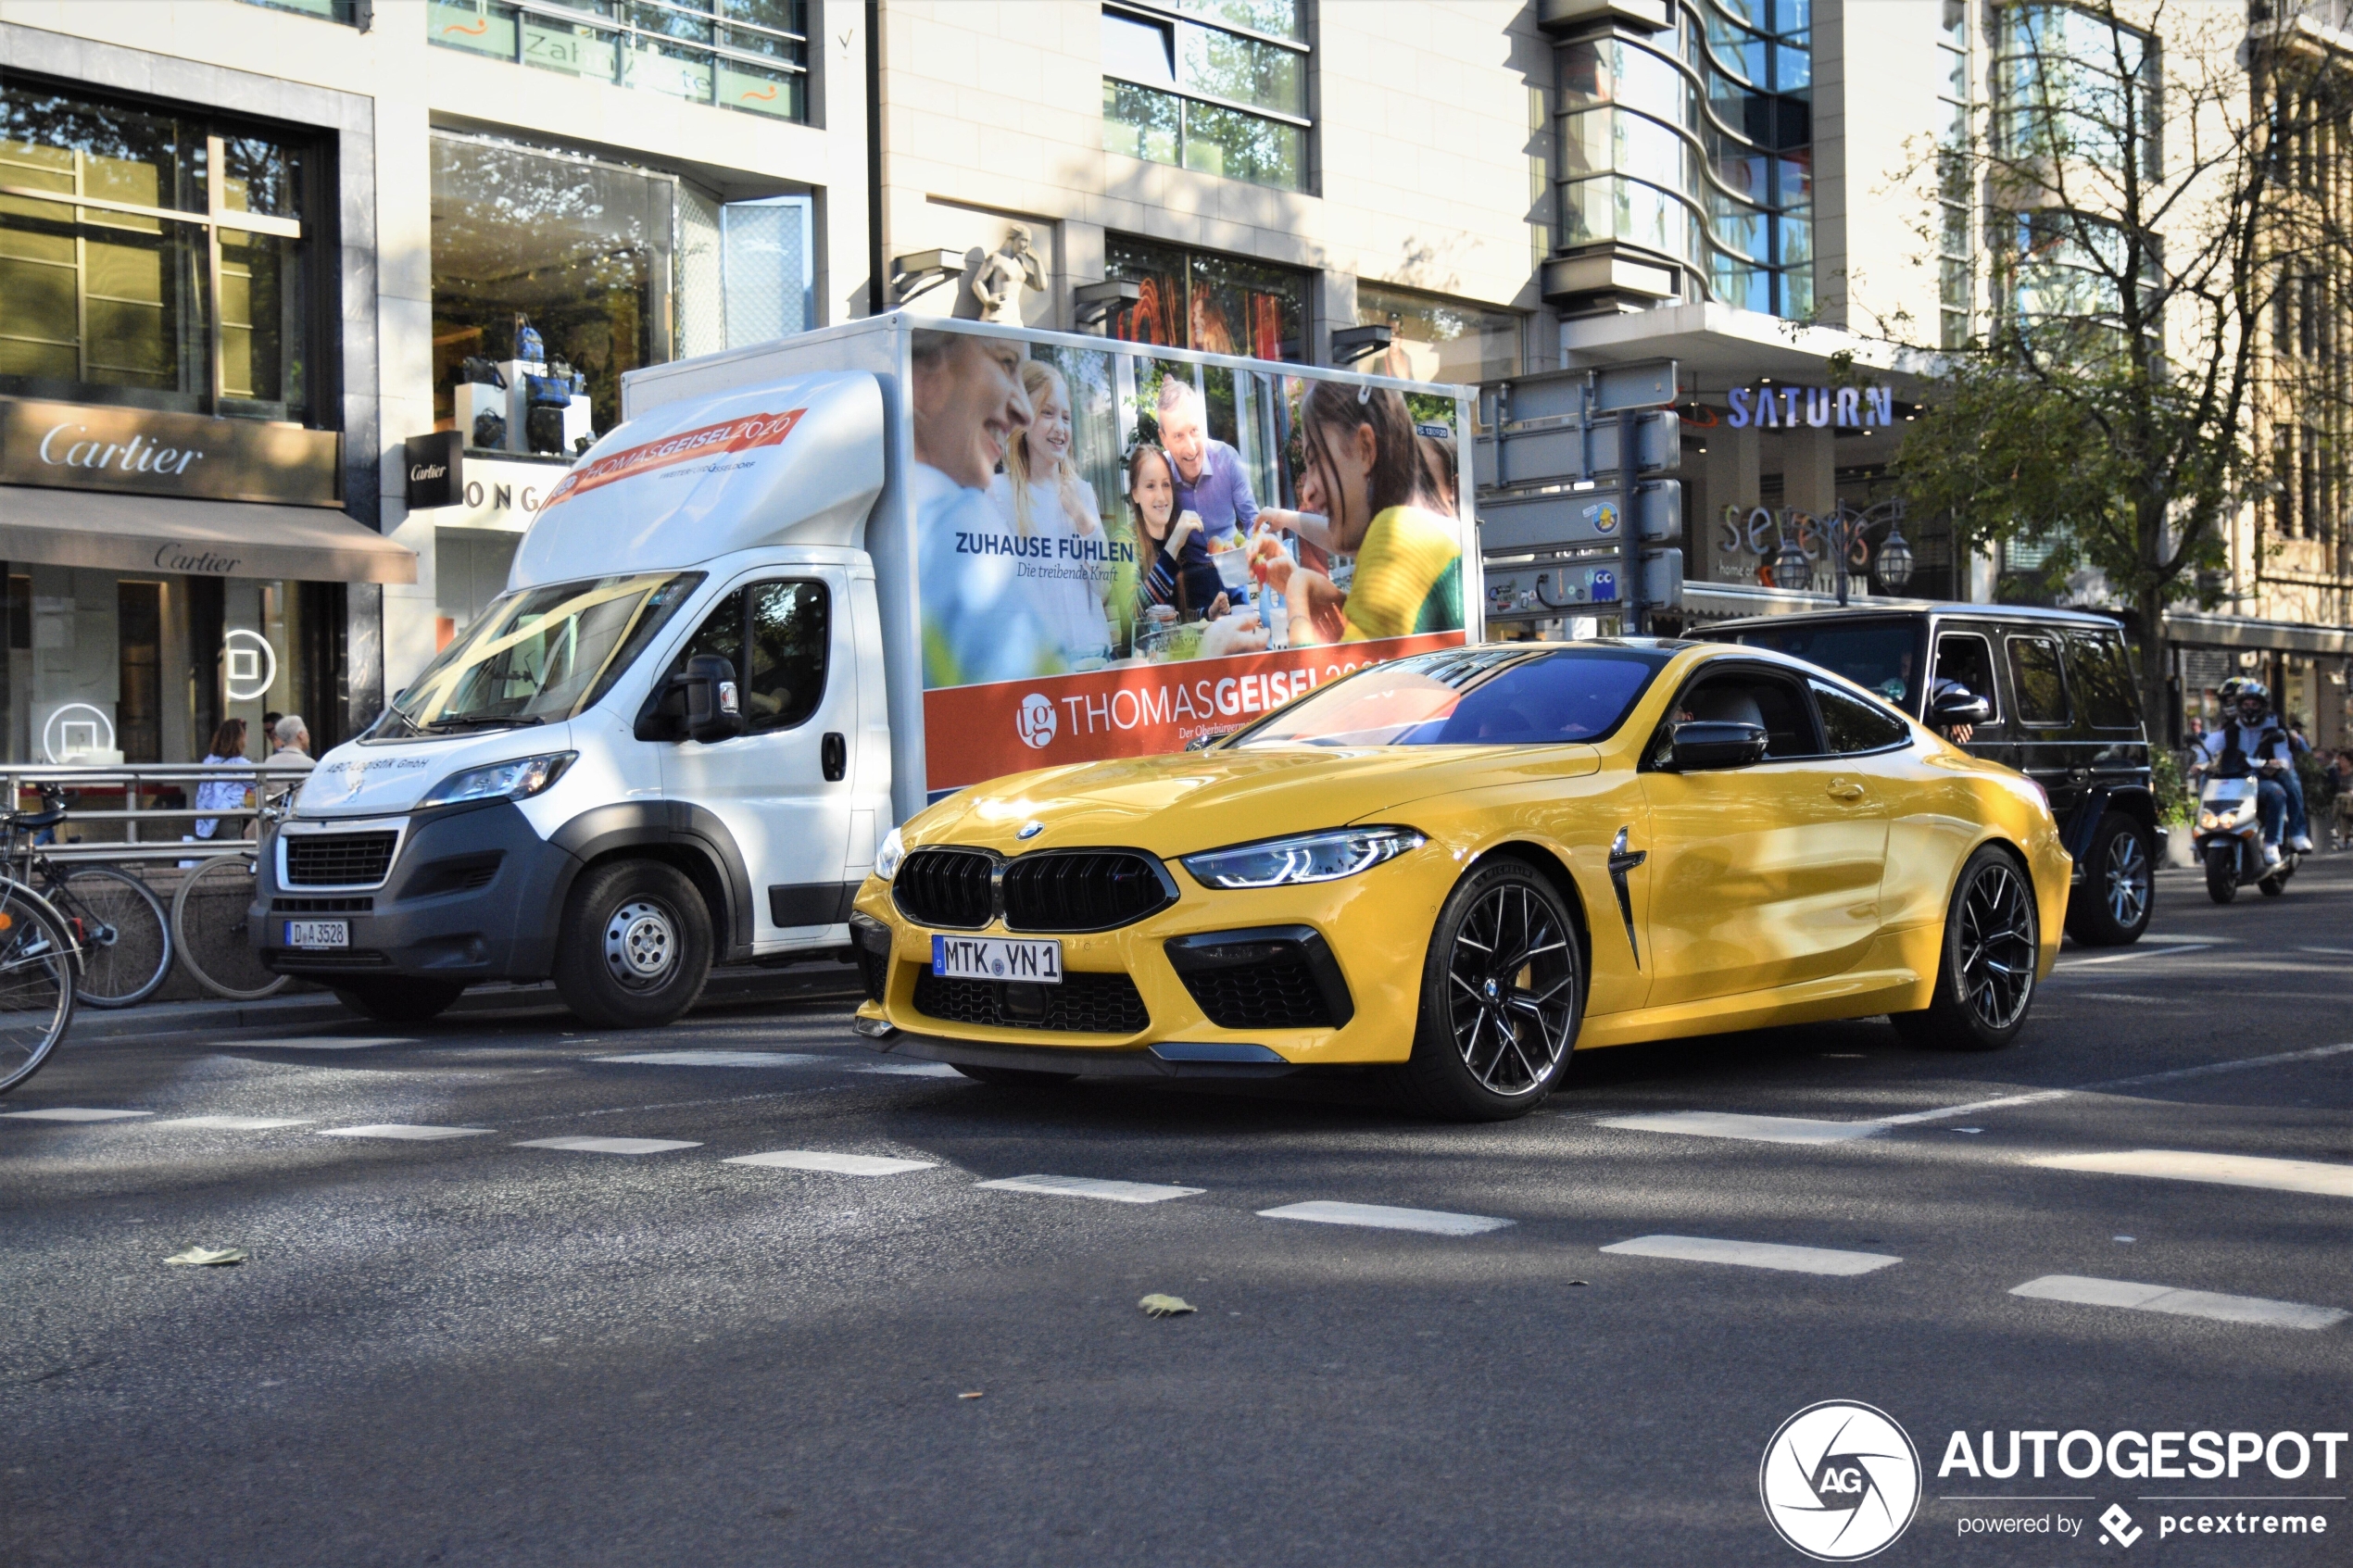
(1879, 655)
(1475, 696)
(538, 655)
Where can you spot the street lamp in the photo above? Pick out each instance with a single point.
(1792, 572)
(1893, 568)
(1847, 529)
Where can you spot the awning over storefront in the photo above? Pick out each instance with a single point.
(2242, 631)
(117, 533)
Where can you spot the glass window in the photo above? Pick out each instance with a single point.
(347, 12)
(746, 54)
(2098, 669)
(1745, 697)
(1139, 50)
(1852, 724)
(787, 678)
(769, 269)
(1223, 91)
(2071, 84)
(1966, 660)
(1879, 655)
(2036, 681)
(1200, 299)
(1438, 340)
(1483, 696)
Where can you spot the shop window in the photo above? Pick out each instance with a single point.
(351, 13)
(20, 614)
(1215, 85)
(1439, 340)
(172, 266)
(1217, 304)
(746, 54)
(138, 712)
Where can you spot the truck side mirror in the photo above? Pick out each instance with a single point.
(714, 710)
(1959, 705)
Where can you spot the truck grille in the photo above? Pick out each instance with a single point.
(1266, 995)
(945, 887)
(1082, 890)
(1082, 1004)
(337, 860)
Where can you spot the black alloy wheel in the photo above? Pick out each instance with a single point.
(1992, 943)
(1502, 991)
(2119, 893)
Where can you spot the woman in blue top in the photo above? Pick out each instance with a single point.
(222, 795)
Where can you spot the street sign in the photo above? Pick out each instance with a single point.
(1551, 447)
(1539, 588)
(1564, 519)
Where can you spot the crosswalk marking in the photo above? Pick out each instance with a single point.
(1375, 1216)
(912, 1069)
(1914, 1118)
(609, 1146)
(715, 1059)
(1091, 1187)
(836, 1164)
(73, 1113)
(2086, 1291)
(236, 1124)
(330, 1043)
(2310, 1177)
(1753, 1254)
(1759, 1129)
(2128, 956)
(404, 1130)
(2237, 1064)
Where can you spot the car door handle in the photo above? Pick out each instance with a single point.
(833, 753)
(1845, 789)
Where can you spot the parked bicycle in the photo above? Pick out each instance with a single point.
(116, 919)
(38, 960)
(211, 919)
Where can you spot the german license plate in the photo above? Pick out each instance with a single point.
(997, 958)
(318, 933)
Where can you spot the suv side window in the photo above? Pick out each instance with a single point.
(2035, 678)
(1968, 659)
(2096, 669)
(1854, 725)
(783, 679)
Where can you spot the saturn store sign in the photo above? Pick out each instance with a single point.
(147, 451)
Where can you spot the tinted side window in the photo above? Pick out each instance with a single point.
(1968, 660)
(2097, 669)
(721, 633)
(1754, 699)
(787, 678)
(1852, 724)
(2034, 677)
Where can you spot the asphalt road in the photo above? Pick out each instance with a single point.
(467, 1349)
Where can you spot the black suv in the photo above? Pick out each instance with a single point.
(2059, 705)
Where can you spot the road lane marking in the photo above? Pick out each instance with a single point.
(404, 1130)
(1753, 1254)
(237, 1124)
(1090, 1187)
(2135, 953)
(73, 1113)
(715, 1059)
(1731, 1124)
(609, 1146)
(1375, 1216)
(912, 1069)
(2314, 1054)
(2118, 997)
(2310, 1177)
(328, 1043)
(2332, 952)
(2084, 1291)
(1914, 1118)
(836, 1164)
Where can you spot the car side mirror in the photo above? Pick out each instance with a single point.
(1958, 706)
(714, 710)
(1704, 743)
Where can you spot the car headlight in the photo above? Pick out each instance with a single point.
(886, 858)
(1315, 856)
(518, 779)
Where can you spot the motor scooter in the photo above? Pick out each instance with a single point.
(2229, 838)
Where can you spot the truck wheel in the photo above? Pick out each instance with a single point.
(403, 1001)
(2119, 893)
(2222, 871)
(1985, 980)
(635, 946)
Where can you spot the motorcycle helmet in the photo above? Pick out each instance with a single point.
(2250, 701)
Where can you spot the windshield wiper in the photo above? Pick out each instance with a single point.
(482, 722)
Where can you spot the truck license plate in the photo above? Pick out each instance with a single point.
(997, 958)
(318, 933)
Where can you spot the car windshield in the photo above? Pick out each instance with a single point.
(1879, 655)
(538, 655)
(1509, 696)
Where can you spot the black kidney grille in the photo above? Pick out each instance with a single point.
(1266, 995)
(1083, 890)
(337, 860)
(944, 888)
(1082, 1004)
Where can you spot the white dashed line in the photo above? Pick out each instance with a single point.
(836, 1164)
(1090, 1187)
(73, 1113)
(1914, 1118)
(609, 1146)
(2310, 1177)
(329, 1043)
(715, 1059)
(1374, 1216)
(2330, 952)
(2281, 1058)
(1759, 1129)
(2135, 953)
(1753, 1254)
(912, 1069)
(2087, 1292)
(237, 1124)
(403, 1130)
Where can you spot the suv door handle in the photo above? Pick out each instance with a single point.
(833, 755)
(1845, 789)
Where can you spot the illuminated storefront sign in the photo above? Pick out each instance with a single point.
(1845, 408)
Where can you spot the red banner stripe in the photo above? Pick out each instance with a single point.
(729, 435)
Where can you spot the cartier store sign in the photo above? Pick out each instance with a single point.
(148, 452)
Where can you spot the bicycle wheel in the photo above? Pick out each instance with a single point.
(209, 922)
(126, 939)
(36, 983)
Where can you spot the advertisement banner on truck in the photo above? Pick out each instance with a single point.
(1118, 553)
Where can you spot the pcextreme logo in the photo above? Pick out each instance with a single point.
(1840, 1481)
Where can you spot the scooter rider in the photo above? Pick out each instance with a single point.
(2248, 730)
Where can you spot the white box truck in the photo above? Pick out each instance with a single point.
(802, 589)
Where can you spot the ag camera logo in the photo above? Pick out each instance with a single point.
(1035, 722)
(1840, 1481)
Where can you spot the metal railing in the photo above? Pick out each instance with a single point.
(145, 812)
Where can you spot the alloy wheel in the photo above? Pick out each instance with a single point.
(641, 943)
(2128, 880)
(1511, 984)
(1998, 948)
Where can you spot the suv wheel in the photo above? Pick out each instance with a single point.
(2119, 891)
(635, 946)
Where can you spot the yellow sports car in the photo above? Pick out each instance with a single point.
(1467, 864)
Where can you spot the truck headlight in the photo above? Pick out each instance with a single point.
(518, 779)
(886, 858)
(1315, 857)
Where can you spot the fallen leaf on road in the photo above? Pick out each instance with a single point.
(207, 1257)
(1576, 1282)
(1158, 1306)
(973, 1395)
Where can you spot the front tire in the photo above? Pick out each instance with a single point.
(397, 1001)
(2222, 871)
(635, 946)
(2118, 893)
(1502, 993)
(1992, 948)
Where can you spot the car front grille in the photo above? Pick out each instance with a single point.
(1082, 1004)
(947, 887)
(1265, 995)
(1082, 890)
(337, 860)
(349, 906)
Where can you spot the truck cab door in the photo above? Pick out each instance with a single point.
(782, 787)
